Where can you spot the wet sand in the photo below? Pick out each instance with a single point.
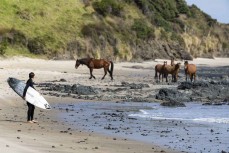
(54, 135)
(51, 134)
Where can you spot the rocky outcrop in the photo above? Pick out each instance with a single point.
(70, 89)
(173, 104)
(171, 95)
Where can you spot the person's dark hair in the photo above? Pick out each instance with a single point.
(31, 75)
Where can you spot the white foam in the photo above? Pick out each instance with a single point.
(144, 112)
(213, 120)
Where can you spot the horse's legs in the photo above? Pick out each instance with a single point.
(155, 74)
(174, 78)
(194, 77)
(105, 73)
(91, 70)
(166, 77)
(90, 73)
(159, 77)
(191, 77)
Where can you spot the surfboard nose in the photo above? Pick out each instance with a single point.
(11, 81)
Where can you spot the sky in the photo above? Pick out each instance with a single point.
(217, 9)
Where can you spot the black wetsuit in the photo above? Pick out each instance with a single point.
(31, 107)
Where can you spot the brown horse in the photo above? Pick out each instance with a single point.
(190, 69)
(174, 70)
(92, 63)
(159, 69)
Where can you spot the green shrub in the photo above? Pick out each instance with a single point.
(128, 1)
(142, 30)
(36, 45)
(97, 31)
(106, 7)
(3, 47)
(182, 7)
(24, 14)
(176, 37)
(209, 19)
(166, 8)
(17, 37)
(164, 35)
(225, 45)
(160, 22)
(180, 23)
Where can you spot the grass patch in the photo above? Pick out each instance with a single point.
(20, 51)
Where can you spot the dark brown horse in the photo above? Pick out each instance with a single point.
(159, 69)
(190, 69)
(92, 63)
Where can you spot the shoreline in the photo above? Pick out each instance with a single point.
(45, 136)
(53, 135)
(172, 128)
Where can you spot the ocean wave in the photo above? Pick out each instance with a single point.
(146, 115)
(213, 120)
(144, 112)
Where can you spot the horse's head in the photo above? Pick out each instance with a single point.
(177, 66)
(77, 64)
(185, 64)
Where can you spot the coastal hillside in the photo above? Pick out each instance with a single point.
(121, 30)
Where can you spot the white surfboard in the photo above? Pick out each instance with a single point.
(32, 96)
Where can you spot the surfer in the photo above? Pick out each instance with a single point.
(31, 107)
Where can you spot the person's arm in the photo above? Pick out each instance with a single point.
(25, 90)
(31, 85)
(28, 83)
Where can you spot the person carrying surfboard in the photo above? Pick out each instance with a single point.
(31, 107)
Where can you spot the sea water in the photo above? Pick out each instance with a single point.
(194, 128)
(192, 112)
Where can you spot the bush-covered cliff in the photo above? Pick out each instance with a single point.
(115, 29)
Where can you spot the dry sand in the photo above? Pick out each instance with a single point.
(52, 135)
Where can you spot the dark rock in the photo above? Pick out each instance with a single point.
(74, 89)
(190, 85)
(84, 90)
(173, 104)
(171, 95)
(135, 86)
(185, 85)
(63, 80)
(208, 103)
(206, 91)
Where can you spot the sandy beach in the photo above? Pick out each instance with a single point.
(51, 134)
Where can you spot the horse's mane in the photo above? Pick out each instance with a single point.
(85, 60)
(177, 65)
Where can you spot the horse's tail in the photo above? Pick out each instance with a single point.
(111, 70)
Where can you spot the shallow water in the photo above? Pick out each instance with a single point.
(195, 128)
(192, 112)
